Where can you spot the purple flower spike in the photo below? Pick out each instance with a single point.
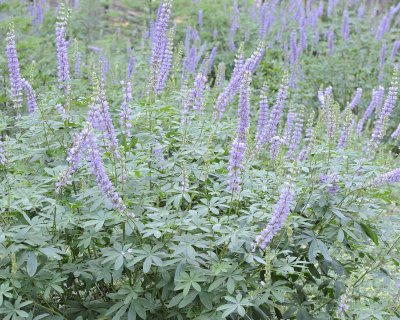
(396, 47)
(161, 48)
(74, 158)
(356, 99)
(100, 118)
(389, 177)
(331, 182)
(61, 111)
(13, 67)
(276, 112)
(396, 133)
(331, 41)
(131, 67)
(239, 144)
(78, 58)
(126, 112)
(373, 104)
(228, 94)
(345, 25)
(344, 135)
(279, 217)
(262, 114)
(200, 18)
(31, 96)
(62, 51)
(296, 137)
(387, 109)
(98, 170)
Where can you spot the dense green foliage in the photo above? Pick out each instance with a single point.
(185, 246)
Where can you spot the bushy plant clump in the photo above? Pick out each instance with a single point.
(222, 167)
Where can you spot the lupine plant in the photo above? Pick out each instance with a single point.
(199, 160)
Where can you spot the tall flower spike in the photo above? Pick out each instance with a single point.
(194, 98)
(262, 113)
(344, 135)
(308, 139)
(389, 177)
(239, 145)
(100, 118)
(356, 99)
(159, 43)
(297, 135)
(62, 50)
(98, 170)
(276, 112)
(31, 96)
(166, 63)
(396, 133)
(373, 104)
(387, 109)
(331, 41)
(345, 25)
(126, 112)
(13, 67)
(291, 116)
(228, 94)
(74, 158)
(61, 111)
(220, 78)
(279, 217)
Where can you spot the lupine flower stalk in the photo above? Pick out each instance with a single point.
(74, 158)
(279, 217)
(100, 118)
(331, 182)
(200, 18)
(396, 133)
(291, 116)
(308, 139)
(331, 40)
(78, 60)
(30, 95)
(98, 170)
(13, 67)
(345, 25)
(395, 49)
(228, 94)
(220, 78)
(297, 135)
(159, 45)
(211, 59)
(61, 111)
(387, 109)
(274, 147)
(194, 98)
(276, 112)
(166, 63)
(344, 135)
(262, 113)
(356, 99)
(239, 145)
(232, 32)
(373, 104)
(126, 112)
(389, 177)
(62, 51)
(131, 67)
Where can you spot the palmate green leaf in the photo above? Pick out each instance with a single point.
(31, 263)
